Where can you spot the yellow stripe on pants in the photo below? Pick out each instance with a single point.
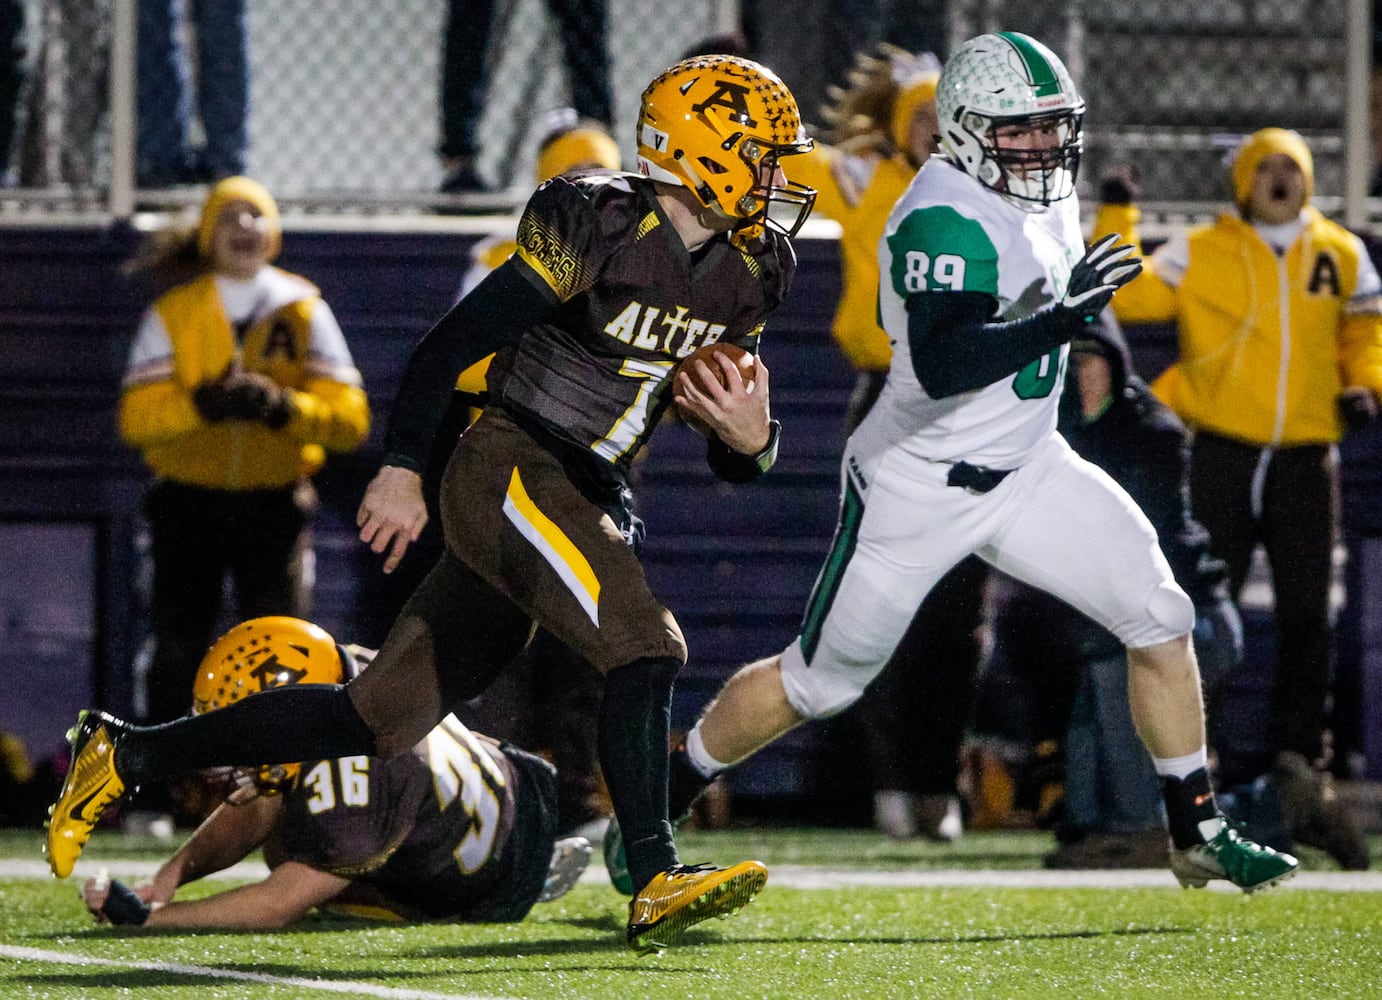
(556, 548)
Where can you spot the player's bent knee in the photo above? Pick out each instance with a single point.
(814, 703)
(1167, 613)
(1172, 610)
(816, 694)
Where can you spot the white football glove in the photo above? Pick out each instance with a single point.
(1104, 269)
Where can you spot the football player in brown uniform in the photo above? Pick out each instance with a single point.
(617, 277)
(459, 829)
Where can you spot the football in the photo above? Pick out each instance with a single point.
(707, 353)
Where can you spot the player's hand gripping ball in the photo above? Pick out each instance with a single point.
(706, 354)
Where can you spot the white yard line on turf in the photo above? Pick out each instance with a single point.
(120, 868)
(803, 877)
(810, 877)
(326, 986)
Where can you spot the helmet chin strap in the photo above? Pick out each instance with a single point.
(715, 218)
(702, 187)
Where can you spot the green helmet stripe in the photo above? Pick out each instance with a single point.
(1042, 74)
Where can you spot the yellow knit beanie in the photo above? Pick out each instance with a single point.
(1262, 144)
(910, 95)
(574, 148)
(239, 189)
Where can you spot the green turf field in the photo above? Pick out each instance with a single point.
(910, 920)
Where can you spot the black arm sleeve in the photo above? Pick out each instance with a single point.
(732, 466)
(123, 906)
(955, 348)
(496, 313)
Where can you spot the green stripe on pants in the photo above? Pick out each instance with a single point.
(841, 550)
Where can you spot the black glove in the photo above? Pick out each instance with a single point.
(1120, 186)
(1358, 407)
(212, 400)
(1104, 269)
(123, 905)
(259, 398)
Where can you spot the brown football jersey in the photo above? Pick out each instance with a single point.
(632, 303)
(442, 832)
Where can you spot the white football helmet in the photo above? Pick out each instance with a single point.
(1011, 79)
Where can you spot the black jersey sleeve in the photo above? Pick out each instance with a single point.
(956, 347)
(734, 466)
(563, 234)
(510, 300)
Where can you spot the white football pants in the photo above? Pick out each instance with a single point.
(1058, 523)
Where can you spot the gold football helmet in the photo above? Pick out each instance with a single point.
(718, 125)
(260, 654)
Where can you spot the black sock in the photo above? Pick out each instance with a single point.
(635, 719)
(684, 784)
(281, 726)
(1189, 802)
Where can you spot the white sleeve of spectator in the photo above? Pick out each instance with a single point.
(1366, 299)
(1171, 259)
(328, 354)
(151, 354)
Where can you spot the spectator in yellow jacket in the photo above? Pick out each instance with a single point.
(239, 381)
(1279, 313)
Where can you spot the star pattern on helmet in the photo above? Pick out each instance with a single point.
(780, 110)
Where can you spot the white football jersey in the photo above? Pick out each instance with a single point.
(950, 233)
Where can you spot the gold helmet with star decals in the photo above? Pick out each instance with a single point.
(718, 125)
(262, 654)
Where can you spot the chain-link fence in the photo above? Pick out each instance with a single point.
(358, 108)
(1172, 86)
(344, 96)
(1173, 98)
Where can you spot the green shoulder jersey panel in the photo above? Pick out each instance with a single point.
(938, 249)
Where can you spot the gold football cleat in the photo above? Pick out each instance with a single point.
(92, 783)
(684, 895)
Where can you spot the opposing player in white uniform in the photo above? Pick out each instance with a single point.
(985, 280)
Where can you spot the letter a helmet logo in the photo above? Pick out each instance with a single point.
(730, 96)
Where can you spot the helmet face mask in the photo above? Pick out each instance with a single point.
(1010, 116)
(258, 655)
(1042, 173)
(718, 125)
